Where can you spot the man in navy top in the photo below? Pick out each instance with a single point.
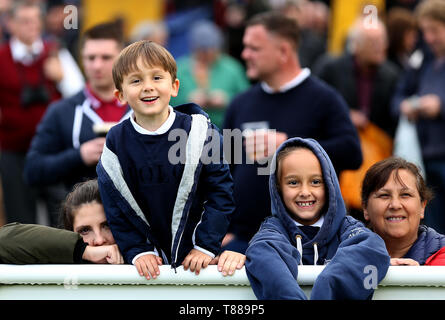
(65, 148)
(286, 102)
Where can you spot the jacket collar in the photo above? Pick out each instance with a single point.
(25, 54)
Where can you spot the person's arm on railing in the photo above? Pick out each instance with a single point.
(38, 244)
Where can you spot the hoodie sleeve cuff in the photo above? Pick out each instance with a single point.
(143, 254)
(204, 251)
(79, 249)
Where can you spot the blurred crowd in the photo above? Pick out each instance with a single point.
(393, 68)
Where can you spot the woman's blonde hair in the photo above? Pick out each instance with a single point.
(432, 9)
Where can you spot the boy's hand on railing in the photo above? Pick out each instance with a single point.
(148, 265)
(103, 254)
(229, 261)
(196, 260)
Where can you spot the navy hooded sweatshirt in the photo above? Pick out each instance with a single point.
(343, 244)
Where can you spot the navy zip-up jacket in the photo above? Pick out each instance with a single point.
(153, 204)
(428, 242)
(343, 244)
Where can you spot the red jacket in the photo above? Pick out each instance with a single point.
(437, 259)
(18, 124)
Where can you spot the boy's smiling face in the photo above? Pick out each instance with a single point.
(148, 91)
(302, 187)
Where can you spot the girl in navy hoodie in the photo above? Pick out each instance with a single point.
(309, 226)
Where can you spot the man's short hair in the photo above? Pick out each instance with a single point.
(152, 54)
(431, 9)
(278, 24)
(17, 5)
(107, 30)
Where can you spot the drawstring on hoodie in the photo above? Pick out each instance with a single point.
(300, 250)
(315, 253)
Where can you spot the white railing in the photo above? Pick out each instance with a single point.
(122, 282)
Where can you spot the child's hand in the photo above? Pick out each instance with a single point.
(148, 265)
(229, 261)
(403, 262)
(196, 260)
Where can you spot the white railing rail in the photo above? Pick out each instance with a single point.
(123, 282)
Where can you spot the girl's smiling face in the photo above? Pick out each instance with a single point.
(395, 210)
(302, 186)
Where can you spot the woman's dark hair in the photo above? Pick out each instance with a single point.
(398, 22)
(82, 193)
(379, 173)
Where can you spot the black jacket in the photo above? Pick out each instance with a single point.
(339, 72)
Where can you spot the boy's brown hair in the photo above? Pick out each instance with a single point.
(152, 54)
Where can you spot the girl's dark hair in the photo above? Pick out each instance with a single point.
(82, 193)
(379, 173)
(283, 153)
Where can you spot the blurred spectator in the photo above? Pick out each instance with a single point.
(402, 36)
(421, 98)
(208, 76)
(287, 102)
(407, 4)
(55, 29)
(366, 79)
(149, 30)
(5, 6)
(35, 72)
(180, 5)
(66, 148)
(231, 15)
(312, 18)
(234, 17)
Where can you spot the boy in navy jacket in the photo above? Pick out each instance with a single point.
(161, 209)
(309, 226)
